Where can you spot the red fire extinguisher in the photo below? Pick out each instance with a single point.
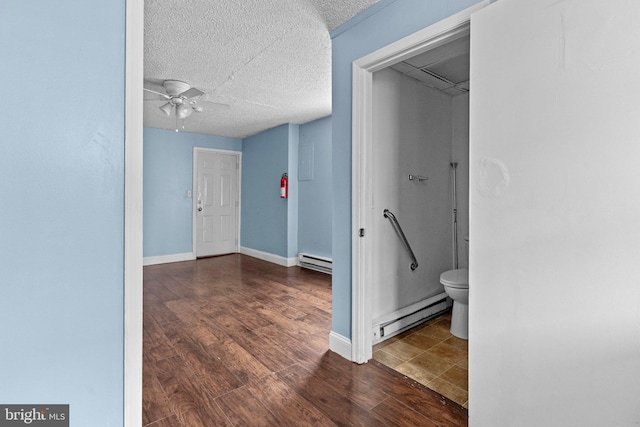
(284, 186)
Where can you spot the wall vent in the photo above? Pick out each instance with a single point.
(314, 262)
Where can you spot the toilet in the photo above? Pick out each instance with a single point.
(456, 285)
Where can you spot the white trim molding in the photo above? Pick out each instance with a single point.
(340, 344)
(266, 256)
(419, 42)
(165, 259)
(134, 49)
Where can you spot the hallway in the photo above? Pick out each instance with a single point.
(233, 340)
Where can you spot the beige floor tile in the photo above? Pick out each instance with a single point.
(430, 364)
(463, 363)
(386, 358)
(436, 330)
(458, 343)
(385, 343)
(416, 373)
(430, 355)
(449, 353)
(457, 376)
(422, 342)
(449, 390)
(402, 350)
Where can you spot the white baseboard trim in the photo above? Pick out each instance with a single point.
(340, 344)
(165, 259)
(266, 256)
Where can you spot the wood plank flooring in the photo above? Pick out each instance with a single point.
(236, 341)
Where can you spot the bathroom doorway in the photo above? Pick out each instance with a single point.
(411, 118)
(421, 127)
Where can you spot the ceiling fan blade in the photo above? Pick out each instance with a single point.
(163, 95)
(155, 97)
(214, 104)
(191, 93)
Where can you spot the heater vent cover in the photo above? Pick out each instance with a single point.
(314, 262)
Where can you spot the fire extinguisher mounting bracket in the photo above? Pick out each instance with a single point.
(284, 186)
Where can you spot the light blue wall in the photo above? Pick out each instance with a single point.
(264, 214)
(387, 22)
(268, 224)
(315, 196)
(62, 206)
(168, 174)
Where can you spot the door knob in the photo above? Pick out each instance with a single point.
(199, 209)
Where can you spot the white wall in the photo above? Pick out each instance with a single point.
(412, 134)
(554, 268)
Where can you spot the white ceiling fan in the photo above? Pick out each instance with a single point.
(180, 97)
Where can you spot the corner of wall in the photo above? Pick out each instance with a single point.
(362, 16)
(292, 203)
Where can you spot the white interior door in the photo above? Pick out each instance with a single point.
(216, 202)
(554, 156)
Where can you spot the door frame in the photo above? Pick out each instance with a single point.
(238, 155)
(133, 191)
(361, 167)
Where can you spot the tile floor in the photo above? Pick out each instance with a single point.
(430, 355)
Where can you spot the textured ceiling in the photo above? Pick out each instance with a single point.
(261, 63)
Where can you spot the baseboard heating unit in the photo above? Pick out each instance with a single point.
(399, 321)
(314, 262)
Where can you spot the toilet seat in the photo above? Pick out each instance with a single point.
(456, 278)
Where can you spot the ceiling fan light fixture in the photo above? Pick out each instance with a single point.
(175, 87)
(183, 111)
(166, 108)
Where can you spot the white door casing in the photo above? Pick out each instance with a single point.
(133, 135)
(216, 202)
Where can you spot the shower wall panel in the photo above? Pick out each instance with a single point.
(412, 135)
(460, 155)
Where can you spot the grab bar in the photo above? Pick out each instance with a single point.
(396, 225)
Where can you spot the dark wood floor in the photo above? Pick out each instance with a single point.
(235, 341)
